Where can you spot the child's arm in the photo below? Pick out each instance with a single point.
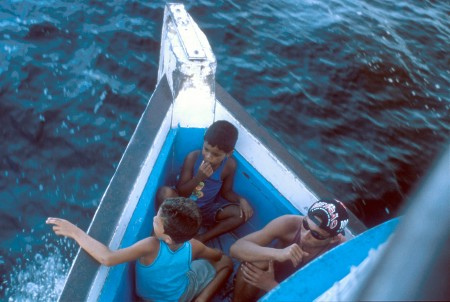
(98, 250)
(199, 250)
(227, 189)
(254, 247)
(187, 182)
(222, 265)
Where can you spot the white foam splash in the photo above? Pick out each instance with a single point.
(40, 278)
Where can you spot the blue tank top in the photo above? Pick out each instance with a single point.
(166, 278)
(207, 190)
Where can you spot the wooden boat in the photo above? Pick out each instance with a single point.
(186, 101)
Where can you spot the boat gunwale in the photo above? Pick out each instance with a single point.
(85, 269)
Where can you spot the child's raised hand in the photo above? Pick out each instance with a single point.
(293, 252)
(62, 227)
(205, 170)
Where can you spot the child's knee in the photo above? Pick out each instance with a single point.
(224, 264)
(162, 194)
(165, 192)
(238, 214)
(240, 217)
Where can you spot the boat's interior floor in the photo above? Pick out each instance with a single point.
(224, 243)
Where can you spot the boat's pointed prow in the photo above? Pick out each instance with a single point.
(187, 60)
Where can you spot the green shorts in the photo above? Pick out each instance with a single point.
(200, 275)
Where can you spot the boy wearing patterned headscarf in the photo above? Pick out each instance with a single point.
(298, 240)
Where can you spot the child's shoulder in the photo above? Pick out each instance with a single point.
(147, 245)
(231, 164)
(196, 246)
(151, 241)
(193, 154)
(283, 227)
(288, 221)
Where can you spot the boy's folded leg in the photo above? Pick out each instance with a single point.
(210, 211)
(200, 275)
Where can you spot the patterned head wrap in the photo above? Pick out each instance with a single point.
(332, 213)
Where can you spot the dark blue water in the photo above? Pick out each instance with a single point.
(358, 91)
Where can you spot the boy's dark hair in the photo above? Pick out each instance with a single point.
(181, 218)
(223, 135)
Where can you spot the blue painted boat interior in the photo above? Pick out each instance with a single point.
(266, 201)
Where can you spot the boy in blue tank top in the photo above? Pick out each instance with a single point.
(207, 177)
(165, 270)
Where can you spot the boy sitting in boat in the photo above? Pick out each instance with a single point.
(298, 240)
(207, 177)
(176, 222)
